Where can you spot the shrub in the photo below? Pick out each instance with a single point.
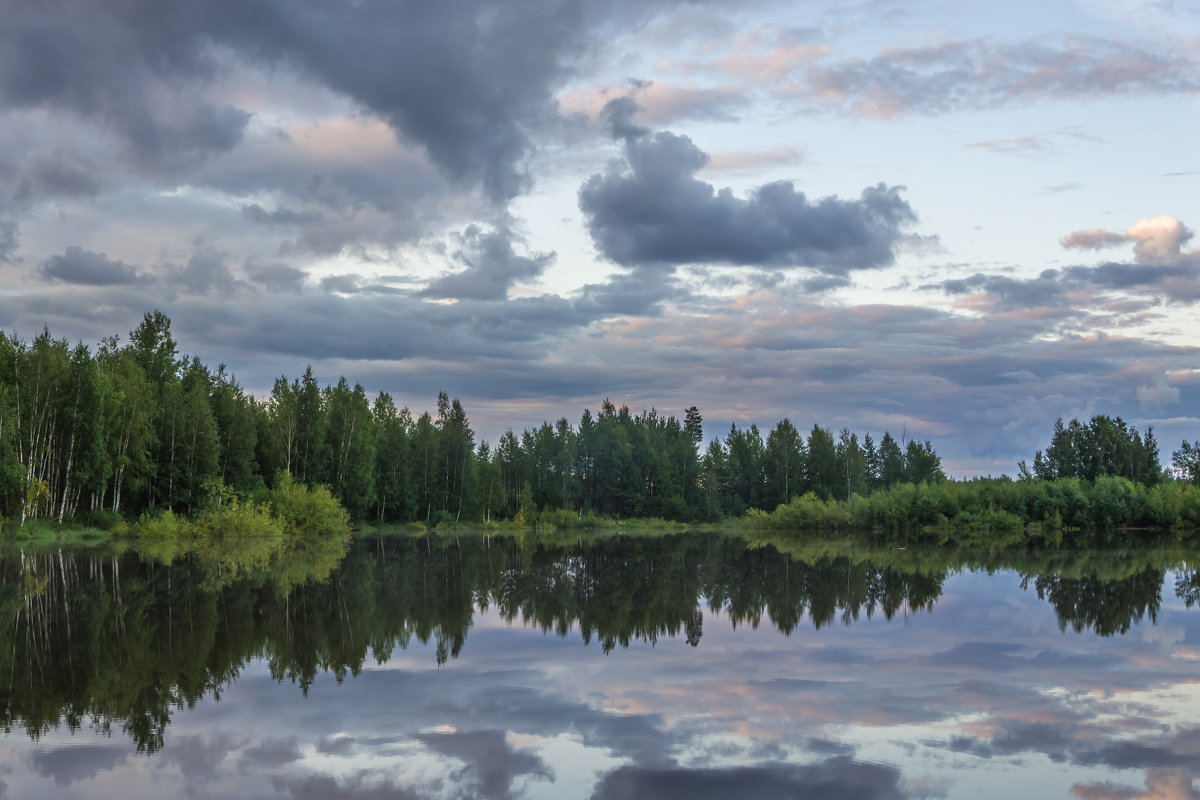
(306, 513)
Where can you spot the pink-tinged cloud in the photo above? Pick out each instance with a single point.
(658, 103)
(1095, 239)
(1157, 240)
(1161, 784)
(973, 74)
(747, 64)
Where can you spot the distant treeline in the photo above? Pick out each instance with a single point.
(134, 428)
(1092, 480)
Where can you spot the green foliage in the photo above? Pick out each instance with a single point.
(307, 513)
(1069, 511)
(1186, 461)
(235, 520)
(1105, 446)
(137, 429)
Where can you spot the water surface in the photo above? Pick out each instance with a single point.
(690, 666)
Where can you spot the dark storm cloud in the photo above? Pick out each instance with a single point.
(953, 76)
(492, 267)
(835, 778)
(469, 82)
(491, 763)
(85, 268)
(126, 68)
(652, 210)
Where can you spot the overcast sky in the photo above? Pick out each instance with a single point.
(954, 220)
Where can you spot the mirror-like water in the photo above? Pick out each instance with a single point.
(689, 666)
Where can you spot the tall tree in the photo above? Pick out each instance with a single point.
(784, 463)
(1186, 461)
(921, 463)
(891, 461)
(237, 433)
(852, 465)
(822, 462)
(395, 498)
(350, 443)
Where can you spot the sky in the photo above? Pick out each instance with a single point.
(954, 221)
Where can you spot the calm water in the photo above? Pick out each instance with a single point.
(691, 666)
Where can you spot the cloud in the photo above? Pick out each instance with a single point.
(357, 787)
(1019, 144)
(1156, 241)
(660, 103)
(1095, 239)
(277, 277)
(1161, 784)
(85, 268)
(491, 763)
(67, 765)
(65, 171)
(652, 210)
(9, 241)
(205, 273)
(1161, 270)
(492, 267)
(976, 74)
(1157, 395)
(467, 84)
(836, 778)
(269, 753)
(123, 71)
(280, 217)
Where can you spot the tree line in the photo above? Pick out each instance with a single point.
(135, 427)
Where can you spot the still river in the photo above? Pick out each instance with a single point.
(696, 665)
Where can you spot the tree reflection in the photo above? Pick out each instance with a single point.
(108, 638)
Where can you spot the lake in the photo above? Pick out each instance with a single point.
(694, 665)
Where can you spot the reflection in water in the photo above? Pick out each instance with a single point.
(98, 639)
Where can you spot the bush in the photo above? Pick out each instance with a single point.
(306, 513)
(161, 526)
(236, 520)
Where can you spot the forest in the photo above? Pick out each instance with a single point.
(133, 430)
